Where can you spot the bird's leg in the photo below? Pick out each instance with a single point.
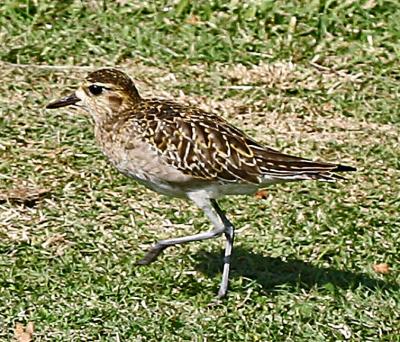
(212, 212)
(230, 236)
(221, 225)
(156, 250)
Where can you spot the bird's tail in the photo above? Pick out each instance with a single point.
(286, 167)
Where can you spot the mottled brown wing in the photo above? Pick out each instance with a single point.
(197, 143)
(206, 146)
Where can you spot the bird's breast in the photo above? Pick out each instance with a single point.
(137, 159)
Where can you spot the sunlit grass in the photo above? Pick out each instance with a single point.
(316, 80)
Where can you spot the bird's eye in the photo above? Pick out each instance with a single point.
(95, 89)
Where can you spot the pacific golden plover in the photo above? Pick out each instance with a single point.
(182, 151)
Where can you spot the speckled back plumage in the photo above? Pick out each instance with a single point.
(205, 146)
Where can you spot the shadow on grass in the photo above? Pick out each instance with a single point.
(271, 273)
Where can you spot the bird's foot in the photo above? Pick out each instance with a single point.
(222, 293)
(151, 255)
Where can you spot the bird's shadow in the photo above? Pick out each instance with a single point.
(272, 273)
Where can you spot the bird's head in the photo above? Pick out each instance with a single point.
(104, 93)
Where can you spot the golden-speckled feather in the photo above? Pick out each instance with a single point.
(205, 146)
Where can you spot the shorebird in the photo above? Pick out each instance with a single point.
(182, 151)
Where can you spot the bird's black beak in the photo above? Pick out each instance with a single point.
(65, 101)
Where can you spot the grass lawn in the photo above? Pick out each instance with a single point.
(313, 261)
